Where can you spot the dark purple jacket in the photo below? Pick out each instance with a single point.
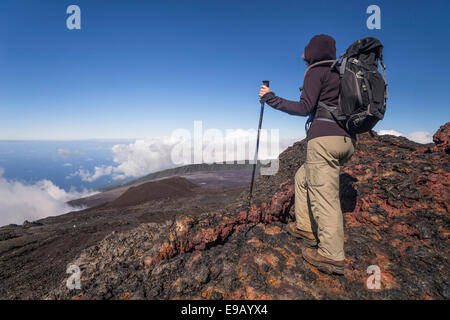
(320, 83)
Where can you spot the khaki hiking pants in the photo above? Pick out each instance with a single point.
(317, 205)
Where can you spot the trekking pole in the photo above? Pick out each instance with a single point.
(261, 113)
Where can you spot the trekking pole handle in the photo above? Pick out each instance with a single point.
(266, 83)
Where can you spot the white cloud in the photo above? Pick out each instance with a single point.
(418, 136)
(421, 137)
(20, 201)
(391, 132)
(67, 164)
(65, 153)
(154, 154)
(143, 156)
(99, 172)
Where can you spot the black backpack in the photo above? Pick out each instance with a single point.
(363, 90)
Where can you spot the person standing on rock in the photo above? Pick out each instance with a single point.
(319, 221)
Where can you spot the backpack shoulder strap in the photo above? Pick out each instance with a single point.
(319, 63)
(383, 69)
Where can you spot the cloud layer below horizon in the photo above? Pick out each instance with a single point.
(20, 201)
(154, 154)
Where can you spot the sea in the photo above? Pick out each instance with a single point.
(58, 161)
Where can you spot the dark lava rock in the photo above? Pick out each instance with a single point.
(28, 224)
(395, 198)
(154, 190)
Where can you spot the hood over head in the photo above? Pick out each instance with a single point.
(321, 47)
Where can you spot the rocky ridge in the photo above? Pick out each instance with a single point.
(395, 198)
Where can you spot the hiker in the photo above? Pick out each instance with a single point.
(319, 221)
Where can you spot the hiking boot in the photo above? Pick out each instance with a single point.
(307, 238)
(313, 257)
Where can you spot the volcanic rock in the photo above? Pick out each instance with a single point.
(395, 199)
(175, 187)
(34, 256)
(442, 139)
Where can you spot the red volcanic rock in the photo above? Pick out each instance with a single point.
(395, 199)
(442, 138)
(441, 141)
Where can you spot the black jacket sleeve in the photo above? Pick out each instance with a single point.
(312, 86)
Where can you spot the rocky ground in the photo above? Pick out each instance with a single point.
(395, 197)
(34, 256)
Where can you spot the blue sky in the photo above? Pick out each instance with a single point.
(144, 68)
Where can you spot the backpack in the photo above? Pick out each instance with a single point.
(362, 92)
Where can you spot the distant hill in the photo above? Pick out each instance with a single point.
(154, 190)
(204, 175)
(203, 167)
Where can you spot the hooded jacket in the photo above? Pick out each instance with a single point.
(320, 84)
